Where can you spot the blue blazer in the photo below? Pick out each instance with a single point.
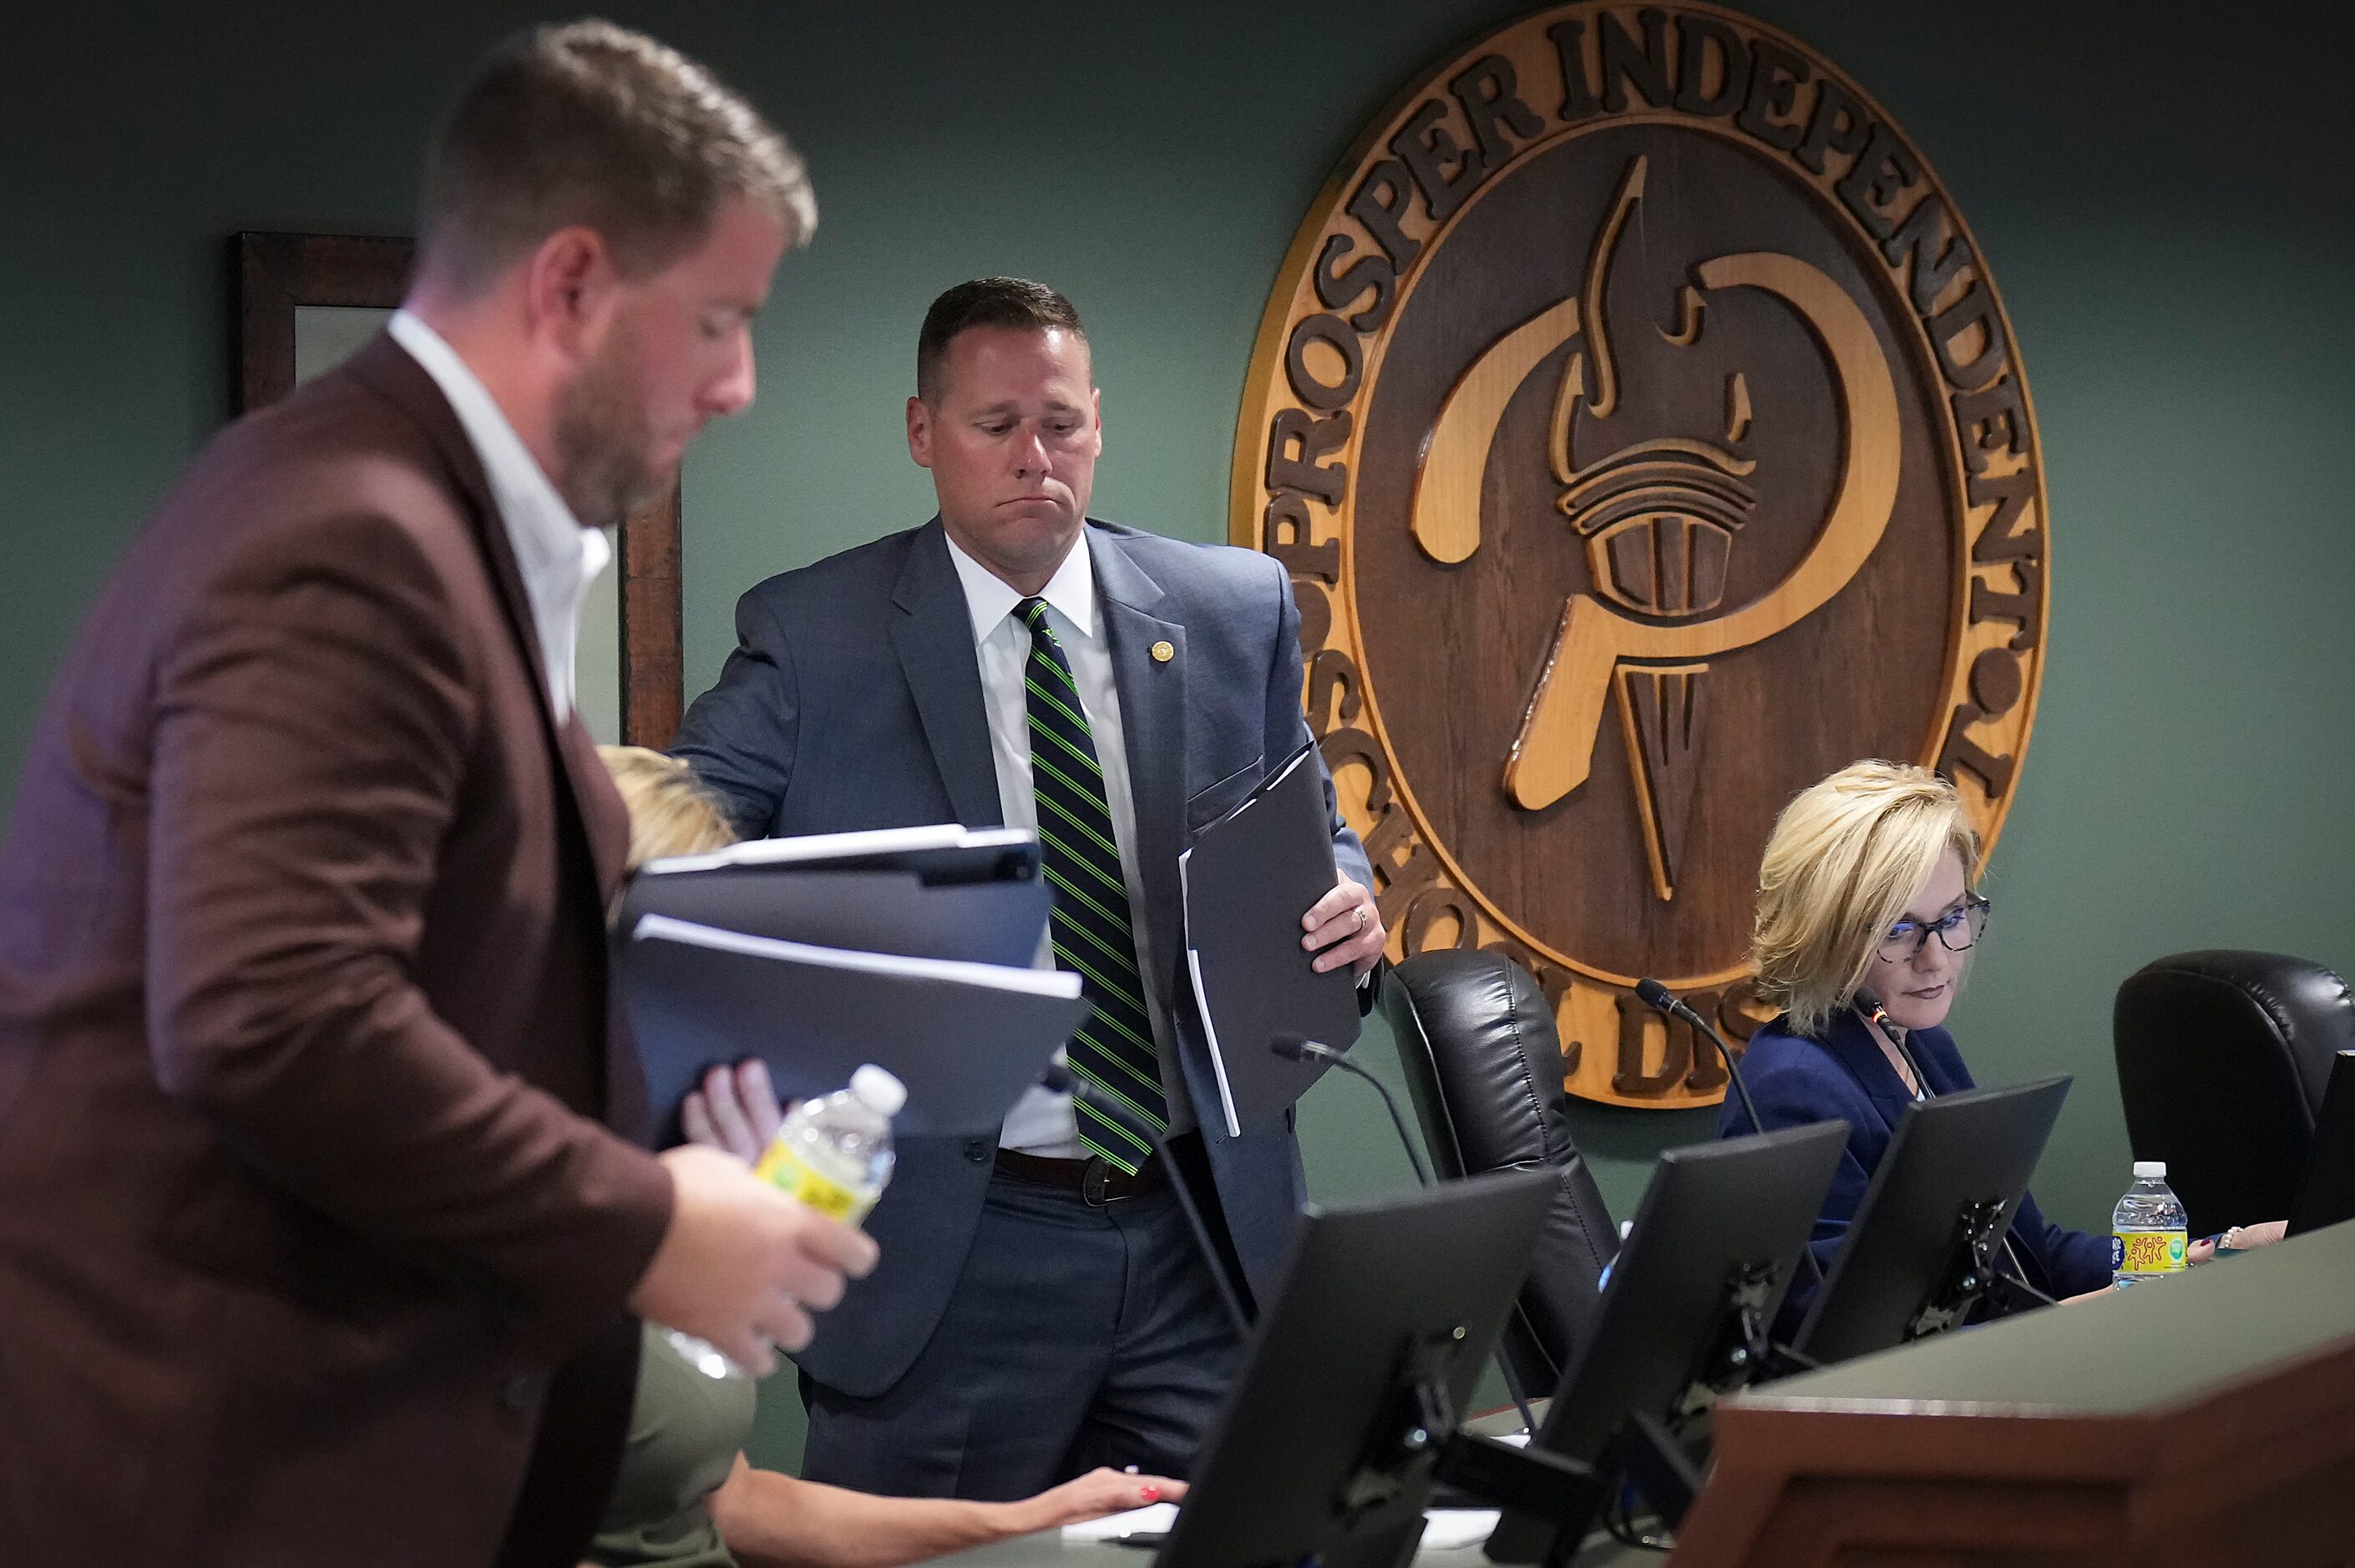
(1797, 1080)
(853, 701)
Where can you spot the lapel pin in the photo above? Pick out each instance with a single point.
(1163, 653)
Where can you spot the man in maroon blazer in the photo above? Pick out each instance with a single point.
(314, 1246)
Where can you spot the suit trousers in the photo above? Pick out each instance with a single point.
(1077, 1336)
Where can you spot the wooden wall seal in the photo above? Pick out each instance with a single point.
(1641, 428)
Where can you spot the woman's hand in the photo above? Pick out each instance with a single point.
(771, 1521)
(2240, 1238)
(2244, 1237)
(735, 1109)
(1092, 1496)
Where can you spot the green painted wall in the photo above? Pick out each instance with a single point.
(2163, 195)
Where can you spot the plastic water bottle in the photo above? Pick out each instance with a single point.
(832, 1153)
(2148, 1230)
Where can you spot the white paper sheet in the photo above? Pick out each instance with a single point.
(1447, 1529)
(1443, 1529)
(1035, 982)
(1210, 1037)
(1154, 1519)
(832, 846)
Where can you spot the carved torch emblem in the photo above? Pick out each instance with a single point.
(1659, 518)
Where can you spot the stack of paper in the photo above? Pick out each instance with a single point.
(908, 948)
(1443, 1529)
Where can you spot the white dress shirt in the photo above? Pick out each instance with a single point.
(556, 557)
(1042, 1122)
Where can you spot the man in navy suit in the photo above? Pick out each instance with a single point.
(1041, 1305)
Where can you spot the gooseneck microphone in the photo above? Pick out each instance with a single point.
(1062, 1080)
(1662, 1000)
(1667, 1003)
(1867, 1003)
(1300, 1048)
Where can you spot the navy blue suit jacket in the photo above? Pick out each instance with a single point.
(853, 701)
(1797, 1080)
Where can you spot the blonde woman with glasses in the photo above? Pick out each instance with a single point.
(1869, 912)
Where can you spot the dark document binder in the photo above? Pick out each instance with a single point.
(863, 911)
(1247, 879)
(967, 1039)
(928, 893)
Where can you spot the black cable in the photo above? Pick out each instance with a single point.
(1062, 1080)
(2018, 1278)
(1621, 1525)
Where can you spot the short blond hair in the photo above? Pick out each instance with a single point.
(670, 813)
(1847, 856)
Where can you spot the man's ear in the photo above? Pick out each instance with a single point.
(570, 284)
(920, 432)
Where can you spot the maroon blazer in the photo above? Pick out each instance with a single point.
(306, 1211)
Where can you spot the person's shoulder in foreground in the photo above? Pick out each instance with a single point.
(311, 1225)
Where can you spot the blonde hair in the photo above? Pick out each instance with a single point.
(1847, 856)
(670, 813)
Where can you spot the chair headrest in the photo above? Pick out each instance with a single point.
(1497, 1053)
(2295, 1013)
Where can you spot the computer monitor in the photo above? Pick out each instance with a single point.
(1684, 1314)
(2325, 1195)
(1386, 1310)
(1927, 1240)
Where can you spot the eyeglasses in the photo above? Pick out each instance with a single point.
(1956, 932)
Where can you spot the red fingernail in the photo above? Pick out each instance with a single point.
(1150, 1494)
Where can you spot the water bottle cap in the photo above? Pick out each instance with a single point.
(2145, 1170)
(879, 1090)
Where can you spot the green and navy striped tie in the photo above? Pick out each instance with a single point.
(1091, 926)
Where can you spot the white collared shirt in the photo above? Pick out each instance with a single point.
(556, 557)
(1041, 1123)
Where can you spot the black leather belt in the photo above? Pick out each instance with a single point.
(1095, 1181)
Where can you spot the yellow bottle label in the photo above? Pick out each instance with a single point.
(2150, 1252)
(790, 1173)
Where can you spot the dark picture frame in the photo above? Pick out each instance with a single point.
(277, 274)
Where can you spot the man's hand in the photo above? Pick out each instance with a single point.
(735, 1109)
(742, 1266)
(1343, 928)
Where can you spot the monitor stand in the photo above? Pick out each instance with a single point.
(1419, 1438)
(1643, 1454)
(1970, 1272)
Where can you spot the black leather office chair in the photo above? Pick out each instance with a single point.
(2223, 1060)
(1484, 1066)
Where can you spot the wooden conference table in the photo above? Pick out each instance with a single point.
(2209, 1422)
